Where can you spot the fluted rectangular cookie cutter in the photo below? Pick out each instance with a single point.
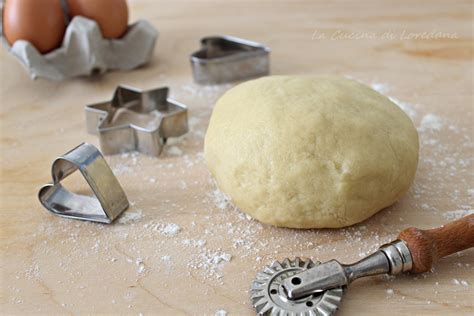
(109, 200)
(136, 120)
(224, 59)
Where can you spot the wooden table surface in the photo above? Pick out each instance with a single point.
(143, 263)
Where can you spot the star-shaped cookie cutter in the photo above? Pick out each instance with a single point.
(224, 59)
(136, 120)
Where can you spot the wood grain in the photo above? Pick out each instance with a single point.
(51, 265)
(428, 246)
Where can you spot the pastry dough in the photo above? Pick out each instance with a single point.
(310, 152)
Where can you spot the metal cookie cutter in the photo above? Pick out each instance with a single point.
(224, 59)
(136, 120)
(109, 201)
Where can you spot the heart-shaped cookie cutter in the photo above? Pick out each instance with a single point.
(223, 59)
(166, 118)
(109, 200)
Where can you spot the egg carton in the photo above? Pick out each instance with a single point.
(85, 52)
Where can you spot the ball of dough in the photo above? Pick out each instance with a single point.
(310, 152)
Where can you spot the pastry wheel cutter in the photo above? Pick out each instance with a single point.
(303, 287)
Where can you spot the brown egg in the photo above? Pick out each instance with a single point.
(41, 22)
(111, 15)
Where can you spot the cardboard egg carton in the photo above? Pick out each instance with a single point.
(84, 51)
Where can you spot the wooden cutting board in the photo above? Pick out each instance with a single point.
(181, 248)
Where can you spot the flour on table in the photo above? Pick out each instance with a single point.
(194, 242)
(384, 88)
(218, 258)
(120, 169)
(174, 150)
(140, 265)
(166, 258)
(130, 216)
(381, 88)
(454, 215)
(430, 122)
(169, 229)
(221, 200)
(210, 262)
(209, 91)
(460, 282)
(212, 236)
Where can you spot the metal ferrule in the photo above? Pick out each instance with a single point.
(398, 255)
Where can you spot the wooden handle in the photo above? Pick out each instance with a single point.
(428, 246)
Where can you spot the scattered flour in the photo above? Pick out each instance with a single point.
(174, 151)
(194, 242)
(218, 258)
(129, 216)
(127, 161)
(200, 245)
(430, 122)
(220, 199)
(33, 272)
(209, 92)
(460, 282)
(170, 229)
(140, 265)
(121, 169)
(381, 88)
(384, 88)
(183, 185)
(454, 215)
(210, 262)
(193, 122)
